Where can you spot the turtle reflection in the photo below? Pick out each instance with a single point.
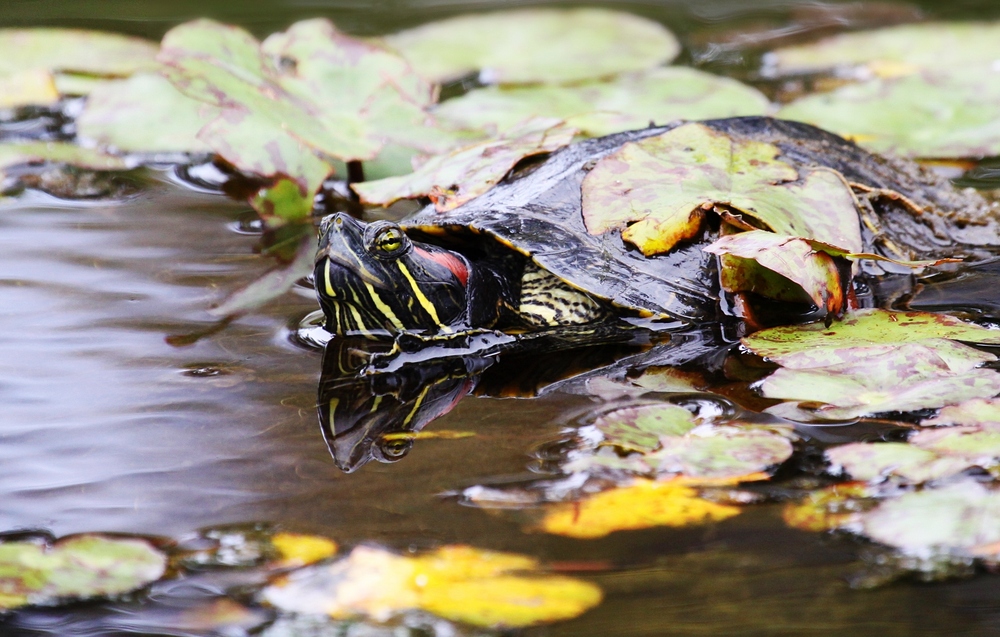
(368, 413)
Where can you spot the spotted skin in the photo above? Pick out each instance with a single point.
(547, 301)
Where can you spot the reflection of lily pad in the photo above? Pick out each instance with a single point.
(598, 108)
(951, 113)
(75, 568)
(455, 582)
(657, 191)
(463, 174)
(536, 45)
(947, 46)
(144, 113)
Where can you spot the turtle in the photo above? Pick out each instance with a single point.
(519, 257)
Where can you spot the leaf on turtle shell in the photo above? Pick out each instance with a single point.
(640, 428)
(978, 411)
(536, 45)
(144, 114)
(657, 191)
(463, 174)
(876, 461)
(640, 505)
(945, 46)
(960, 519)
(481, 588)
(598, 108)
(952, 113)
(75, 568)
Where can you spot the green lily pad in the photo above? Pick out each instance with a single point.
(890, 51)
(960, 519)
(32, 87)
(28, 153)
(905, 378)
(605, 461)
(145, 114)
(876, 461)
(979, 446)
(868, 333)
(536, 45)
(77, 50)
(978, 411)
(721, 452)
(657, 191)
(598, 108)
(76, 568)
(952, 113)
(641, 428)
(463, 174)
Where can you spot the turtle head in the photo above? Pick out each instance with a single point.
(373, 279)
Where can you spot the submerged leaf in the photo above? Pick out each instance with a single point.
(482, 588)
(640, 505)
(75, 568)
(598, 108)
(536, 45)
(463, 174)
(144, 114)
(657, 190)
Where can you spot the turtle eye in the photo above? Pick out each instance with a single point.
(386, 241)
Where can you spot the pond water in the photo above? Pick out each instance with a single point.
(110, 422)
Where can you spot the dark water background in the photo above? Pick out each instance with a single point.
(105, 426)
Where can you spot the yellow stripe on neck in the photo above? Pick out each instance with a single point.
(422, 299)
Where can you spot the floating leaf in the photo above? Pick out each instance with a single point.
(144, 114)
(640, 505)
(482, 588)
(960, 519)
(721, 452)
(868, 333)
(282, 202)
(657, 191)
(978, 411)
(814, 272)
(463, 174)
(299, 550)
(33, 86)
(598, 108)
(29, 153)
(91, 52)
(834, 507)
(640, 428)
(536, 45)
(876, 461)
(75, 568)
(891, 51)
(949, 113)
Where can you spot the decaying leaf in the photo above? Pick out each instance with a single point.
(536, 45)
(482, 588)
(597, 108)
(657, 191)
(640, 505)
(75, 568)
(144, 114)
(463, 174)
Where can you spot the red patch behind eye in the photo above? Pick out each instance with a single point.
(448, 260)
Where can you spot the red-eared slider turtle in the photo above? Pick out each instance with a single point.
(520, 255)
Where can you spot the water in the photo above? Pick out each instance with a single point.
(107, 426)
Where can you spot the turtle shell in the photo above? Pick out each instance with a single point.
(538, 213)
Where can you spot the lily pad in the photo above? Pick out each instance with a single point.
(960, 519)
(891, 51)
(721, 452)
(867, 333)
(33, 86)
(948, 113)
(75, 568)
(641, 428)
(463, 174)
(145, 114)
(482, 588)
(640, 505)
(536, 45)
(658, 190)
(978, 411)
(600, 108)
(31, 153)
(876, 461)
